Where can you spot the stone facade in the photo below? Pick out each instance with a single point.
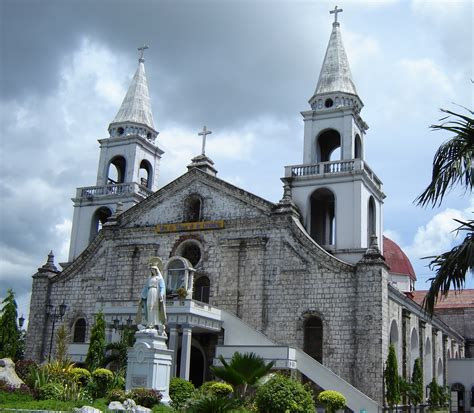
(262, 266)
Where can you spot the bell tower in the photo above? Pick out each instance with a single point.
(128, 165)
(339, 196)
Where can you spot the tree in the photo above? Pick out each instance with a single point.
(96, 352)
(10, 335)
(416, 393)
(243, 370)
(392, 386)
(452, 166)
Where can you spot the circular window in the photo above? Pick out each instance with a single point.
(328, 103)
(120, 131)
(192, 253)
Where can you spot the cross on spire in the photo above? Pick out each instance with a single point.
(142, 52)
(335, 11)
(203, 134)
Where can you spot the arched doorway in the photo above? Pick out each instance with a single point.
(145, 174)
(201, 289)
(457, 398)
(197, 365)
(116, 170)
(328, 142)
(313, 337)
(99, 218)
(323, 217)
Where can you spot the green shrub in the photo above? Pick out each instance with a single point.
(216, 388)
(145, 397)
(332, 400)
(115, 395)
(181, 392)
(51, 391)
(214, 404)
(81, 376)
(283, 395)
(103, 378)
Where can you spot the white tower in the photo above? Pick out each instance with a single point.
(339, 196)
(128, 165)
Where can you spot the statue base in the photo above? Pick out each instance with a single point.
(149, 363)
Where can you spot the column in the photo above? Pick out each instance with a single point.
(434, 332)
(185, 352)
(173, 345)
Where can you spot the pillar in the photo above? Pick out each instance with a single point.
(173, 345)
(185, 352)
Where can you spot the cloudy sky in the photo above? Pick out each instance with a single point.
(243, 68)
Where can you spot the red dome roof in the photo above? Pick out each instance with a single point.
(396, 259)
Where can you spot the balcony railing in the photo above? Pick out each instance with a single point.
(91, 192)
(334, 167)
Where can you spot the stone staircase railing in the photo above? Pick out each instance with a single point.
(241, 337)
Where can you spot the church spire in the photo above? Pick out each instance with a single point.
(135, 111)
(335, 76)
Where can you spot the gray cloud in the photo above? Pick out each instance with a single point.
(226, 64)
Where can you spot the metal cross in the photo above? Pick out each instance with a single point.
(142, 51)
(203, 134)
(335, 11)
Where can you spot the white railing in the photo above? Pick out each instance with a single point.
(91, 192)
(334, 167)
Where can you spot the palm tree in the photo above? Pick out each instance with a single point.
(453, 165)
(243, 370)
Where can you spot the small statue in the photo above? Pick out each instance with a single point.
(153, 299)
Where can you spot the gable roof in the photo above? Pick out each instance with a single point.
(184, 180)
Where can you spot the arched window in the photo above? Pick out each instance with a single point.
(79, 331)
(99, 218)
(439, 372)
(327, 143)
(116, 170)
(313, 337)
(428, 361)
(193, 208)
(371, 220)
(201, 289)
(394, 340)
(323, 218)
(179, 274)
(145, 174)
(357, 147)
(414, 348)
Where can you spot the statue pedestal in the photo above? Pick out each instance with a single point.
(149, 363)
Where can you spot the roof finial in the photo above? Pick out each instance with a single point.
(335, 11)
(203, 134)
(142, 49)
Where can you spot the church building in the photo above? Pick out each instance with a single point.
(309, 282)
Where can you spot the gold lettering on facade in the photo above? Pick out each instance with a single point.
(190, 226)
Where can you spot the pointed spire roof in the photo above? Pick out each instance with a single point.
(335, 73)
(136, 106)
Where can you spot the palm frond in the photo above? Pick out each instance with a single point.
(453, 163)
(451, 268)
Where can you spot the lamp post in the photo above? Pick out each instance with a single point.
(55, 313)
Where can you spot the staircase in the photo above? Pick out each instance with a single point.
(242, 338)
